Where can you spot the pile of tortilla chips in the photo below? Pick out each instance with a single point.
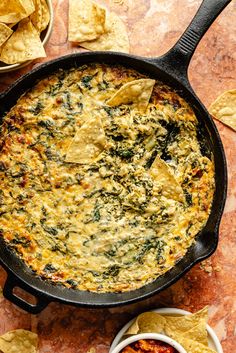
(20, 341)
(189, 330)
(21, 22)
(94, 28)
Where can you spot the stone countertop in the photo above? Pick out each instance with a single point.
(153, 27)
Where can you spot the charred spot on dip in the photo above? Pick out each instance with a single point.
(98, 194)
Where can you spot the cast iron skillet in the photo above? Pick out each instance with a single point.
(171, 68)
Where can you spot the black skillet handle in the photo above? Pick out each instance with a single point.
(176, 60)
(8, 292)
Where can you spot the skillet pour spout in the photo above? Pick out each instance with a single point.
(171, 69)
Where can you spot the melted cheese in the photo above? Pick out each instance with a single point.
(133, 199)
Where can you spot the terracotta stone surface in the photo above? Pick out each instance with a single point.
(153, 27)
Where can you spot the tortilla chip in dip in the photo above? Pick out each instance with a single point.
(161, 173)
(88, 143)
(86, 20)
(23, 45)
(15, 10)
(115, 38)
(5, 33)
(224, 108)
(137, 92)
(20, 341)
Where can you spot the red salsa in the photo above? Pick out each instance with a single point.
(149, 346)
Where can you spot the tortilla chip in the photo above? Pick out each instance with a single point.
(86, 20)
(181, 324)
(36, 17)
(45, 15)
(5, 33)
(147, 322)
(15, 10)
(137, 92)
(192, 346)
(20, 341)
(189, 330)
(23, 45)
(161, 173)
(88, 142)
(198, 333)
(12, 24)
(224, 108)
(114, 39)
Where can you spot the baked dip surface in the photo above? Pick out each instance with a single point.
(98, 196)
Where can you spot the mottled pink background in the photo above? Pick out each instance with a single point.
(153, 27)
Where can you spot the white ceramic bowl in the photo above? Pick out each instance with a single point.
(45, 35)
(152, 336)
(213, 341)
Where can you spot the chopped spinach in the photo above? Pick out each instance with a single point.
(21, 241)
(103, 85)
(80, 106)
(67, 101)
(96, 213)
(49, 268)
(72, 283)
(188, 197)
(112, 271)
(108, 110)
(125, 153)
(149, 244)
(37, 109)
(47, 124)
(86, 81)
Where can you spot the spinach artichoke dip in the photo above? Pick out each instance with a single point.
(103, 183)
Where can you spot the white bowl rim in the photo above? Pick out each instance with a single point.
(170, 311)
(154, 336)
(13, 67)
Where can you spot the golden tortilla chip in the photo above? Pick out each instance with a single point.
(181, 324)
(12, 24)
(45, 15)
(115, 38)
(20, 341)
(5, 33)
(147, 322)
(36, 17)
(224, 108)
(161, 173)
(198, 333)
(86, 20)
(23, 45)
(189, 330)
(192, 346)
(88, 143)
(15, 10)
(137, 92)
